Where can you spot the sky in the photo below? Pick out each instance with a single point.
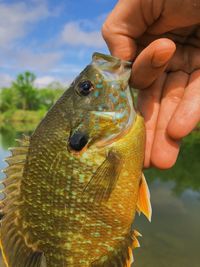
(53, 39)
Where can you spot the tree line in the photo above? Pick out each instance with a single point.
(24, 95)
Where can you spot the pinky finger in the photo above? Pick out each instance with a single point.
(187, 114)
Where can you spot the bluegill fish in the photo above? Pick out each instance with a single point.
(73, 188)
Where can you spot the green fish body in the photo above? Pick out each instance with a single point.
(73, 188)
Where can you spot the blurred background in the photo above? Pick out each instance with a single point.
(44, 44)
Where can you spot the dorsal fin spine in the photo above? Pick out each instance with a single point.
(15, 251)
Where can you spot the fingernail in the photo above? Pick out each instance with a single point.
(161, 58)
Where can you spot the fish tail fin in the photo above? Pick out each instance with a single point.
(15, 249)
(122, 256)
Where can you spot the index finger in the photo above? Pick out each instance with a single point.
(128, 20)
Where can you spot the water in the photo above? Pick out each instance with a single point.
(172, 239)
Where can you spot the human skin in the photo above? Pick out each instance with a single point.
(163, 39)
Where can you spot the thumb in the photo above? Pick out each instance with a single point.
(123, 26)
(120, 46)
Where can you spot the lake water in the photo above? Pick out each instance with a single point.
(173, 237)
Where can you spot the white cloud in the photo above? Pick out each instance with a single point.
(67, 68)
(16, 18)
(46, 58)
(74, 35)
(52, 81)
(44, 81)
(93, 24)
(5, 80)
(43, 61)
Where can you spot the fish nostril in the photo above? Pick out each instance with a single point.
(77, 141)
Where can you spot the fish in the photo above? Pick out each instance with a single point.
(72, 189)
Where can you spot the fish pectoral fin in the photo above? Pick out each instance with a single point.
(144, 203)
(104, 180)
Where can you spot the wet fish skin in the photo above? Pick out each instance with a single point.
(82, 174)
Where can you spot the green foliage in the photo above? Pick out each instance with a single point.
(47, 97)
(8, 99)
(24, 116)
(24, 86)
(23, 95)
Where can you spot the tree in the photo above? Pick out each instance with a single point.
(24, 95)
(8, 99)
(24, 85)
(47, 96)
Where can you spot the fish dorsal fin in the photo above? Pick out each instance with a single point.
(104, 180)
(15, 251)
(144, 203)
(13, 173)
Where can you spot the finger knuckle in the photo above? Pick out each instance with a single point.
(174, 98)
(106, 30)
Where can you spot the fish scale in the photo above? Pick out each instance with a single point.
(77, 182)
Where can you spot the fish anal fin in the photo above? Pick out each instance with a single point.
(143, 203)
(136, 233)
(136, 243)
(104, 180)
(130, 259)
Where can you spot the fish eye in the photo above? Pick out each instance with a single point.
(84, 88)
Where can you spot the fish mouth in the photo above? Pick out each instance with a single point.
(110, 62)
(78, 141)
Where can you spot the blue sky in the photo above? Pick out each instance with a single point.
(54, 39)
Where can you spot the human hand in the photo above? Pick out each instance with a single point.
(164, 39)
